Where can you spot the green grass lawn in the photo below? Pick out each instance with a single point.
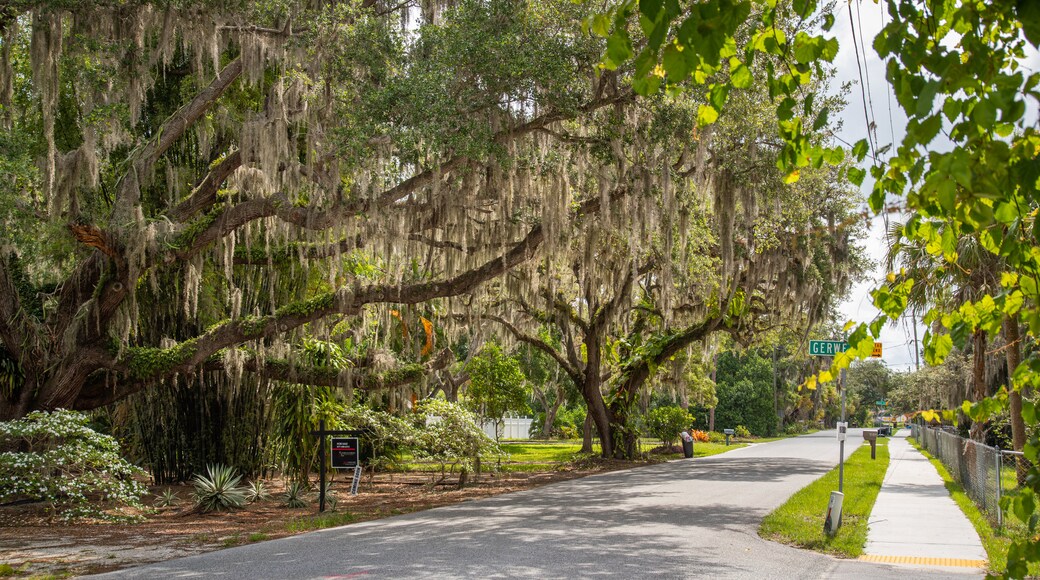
(522, 456)
(799, 522)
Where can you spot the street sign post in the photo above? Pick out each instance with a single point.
(831, 348)
(346, 454)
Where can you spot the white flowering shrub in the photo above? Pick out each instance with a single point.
(55, 457)
(449, 434)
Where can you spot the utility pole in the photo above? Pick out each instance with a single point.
(917, 348)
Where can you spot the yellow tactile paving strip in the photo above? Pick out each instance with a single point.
(920, 561)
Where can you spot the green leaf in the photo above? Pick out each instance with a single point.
(647, 86)
(806, 48)
(821, 120)
(675, 63)
(856, 176)
(651, 8)
(926, 98)
(1005, 213)
(706, 115)
(1029, 412)
(1029, 15)
(619, 48)
(984, 114)
(877, 325)
(828, 22)
(740, 76)
(860, 149)
(928, 129)
(936, 349)
(952, 108)
(717, 96)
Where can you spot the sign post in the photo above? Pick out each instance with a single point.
(344, 456)
(829, 348)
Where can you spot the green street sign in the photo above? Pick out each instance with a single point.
(827, 347)
(881, 403)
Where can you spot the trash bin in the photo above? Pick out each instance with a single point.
(687, 448)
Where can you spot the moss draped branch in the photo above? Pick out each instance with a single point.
(153, 363)
(101, 274)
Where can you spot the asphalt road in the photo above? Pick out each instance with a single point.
(683, 519)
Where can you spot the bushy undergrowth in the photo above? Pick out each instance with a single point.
(665, 423)
(56, 458)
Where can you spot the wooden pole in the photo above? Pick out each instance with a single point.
(321, 468)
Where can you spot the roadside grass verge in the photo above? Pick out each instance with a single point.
(996, 542)
(319, 522)
(708, 449)
(799, 522)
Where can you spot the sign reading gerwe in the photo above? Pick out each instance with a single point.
(833, 347)
(827, 347)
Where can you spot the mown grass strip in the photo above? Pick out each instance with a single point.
(319, 522)
(799, 522)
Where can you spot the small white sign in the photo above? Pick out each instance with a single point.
(842, 431)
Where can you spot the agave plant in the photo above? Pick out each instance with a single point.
(257, 491)
(294, 495)
(167, 499)
(219, 490)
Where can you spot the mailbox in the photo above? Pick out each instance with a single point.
(728, 432)
(871, 435)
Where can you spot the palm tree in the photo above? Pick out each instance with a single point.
(945, 282)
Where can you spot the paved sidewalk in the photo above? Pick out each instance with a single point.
(915, 522)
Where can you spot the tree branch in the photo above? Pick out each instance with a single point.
(205, 193)
(357, 378)
(538, 343)
(145, 363)
(636, 371)
(82, 283)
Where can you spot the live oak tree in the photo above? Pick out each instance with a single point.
(715, 241)
(191, 186)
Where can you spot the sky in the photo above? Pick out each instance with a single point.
(897, 340)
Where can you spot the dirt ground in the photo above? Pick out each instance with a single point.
(32, 543)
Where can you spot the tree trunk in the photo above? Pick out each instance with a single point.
(550, 413)
(1013, 351)
(586, 433)
(978, 431)
(711, 420)
(604, 429)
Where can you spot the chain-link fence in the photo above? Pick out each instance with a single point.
(986, 473)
